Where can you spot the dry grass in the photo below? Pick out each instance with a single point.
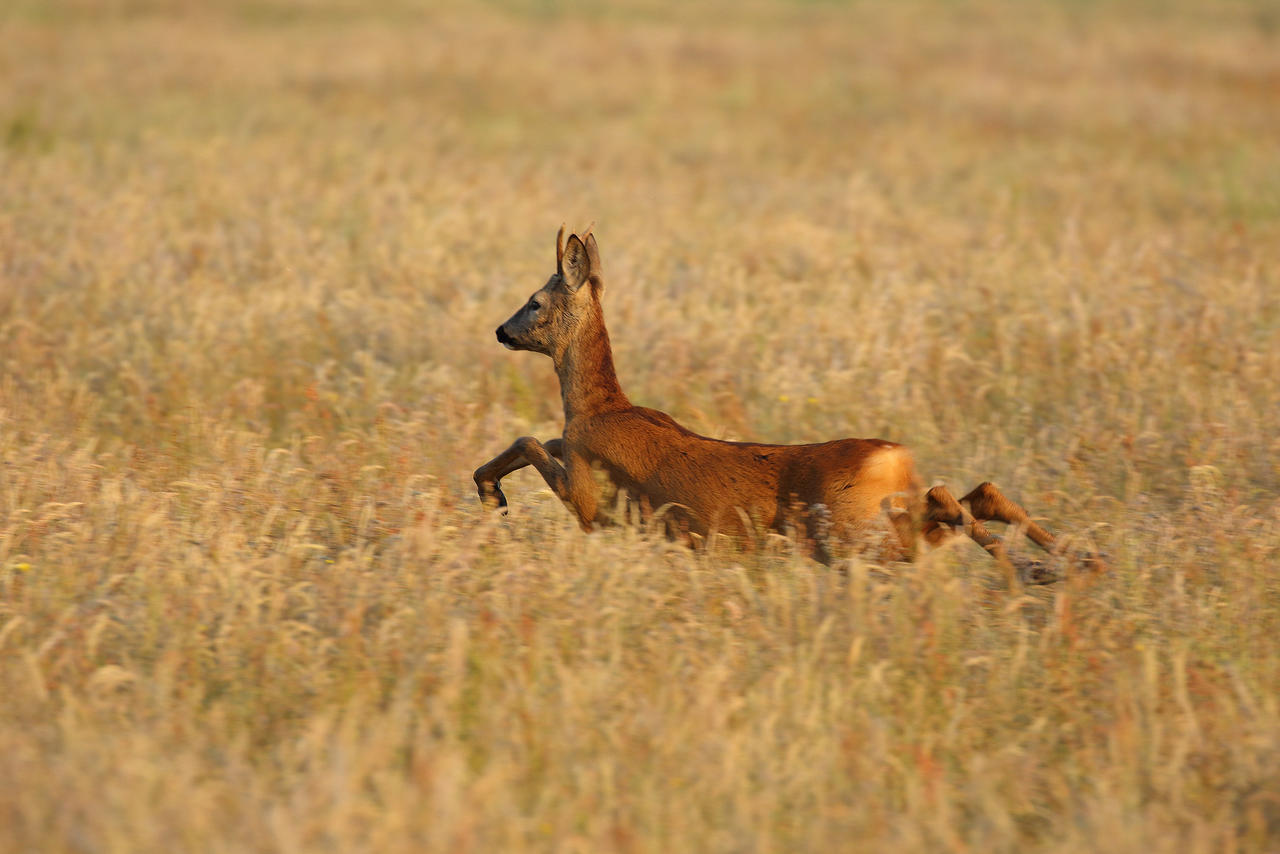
(251, 258)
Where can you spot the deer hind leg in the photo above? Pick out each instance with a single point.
(987, 502)
(944, 515)
(525, 451)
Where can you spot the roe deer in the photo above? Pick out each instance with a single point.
(836, 490)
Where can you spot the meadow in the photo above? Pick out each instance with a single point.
(251, 260)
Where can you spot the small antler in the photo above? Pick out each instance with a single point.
(560, 250)
(583, 237)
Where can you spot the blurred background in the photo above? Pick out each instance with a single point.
(977, 227)
(252, 255)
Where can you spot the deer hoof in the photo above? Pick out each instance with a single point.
(491, 495)
(1033, 571)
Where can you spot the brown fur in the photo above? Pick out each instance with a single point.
(833, 491)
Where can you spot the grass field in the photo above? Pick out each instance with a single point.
(251, 260)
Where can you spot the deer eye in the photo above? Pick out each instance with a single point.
(534, 305)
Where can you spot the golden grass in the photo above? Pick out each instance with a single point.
(251, 258)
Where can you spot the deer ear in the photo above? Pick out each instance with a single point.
(576, 265)
(593, 253)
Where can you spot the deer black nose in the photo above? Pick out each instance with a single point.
(504, 338)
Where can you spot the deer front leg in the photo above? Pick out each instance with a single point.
(525, 451)
(581, 486)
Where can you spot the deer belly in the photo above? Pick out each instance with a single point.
(706, 494)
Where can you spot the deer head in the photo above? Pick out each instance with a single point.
(556, 313)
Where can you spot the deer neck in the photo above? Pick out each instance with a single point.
(588, 383)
